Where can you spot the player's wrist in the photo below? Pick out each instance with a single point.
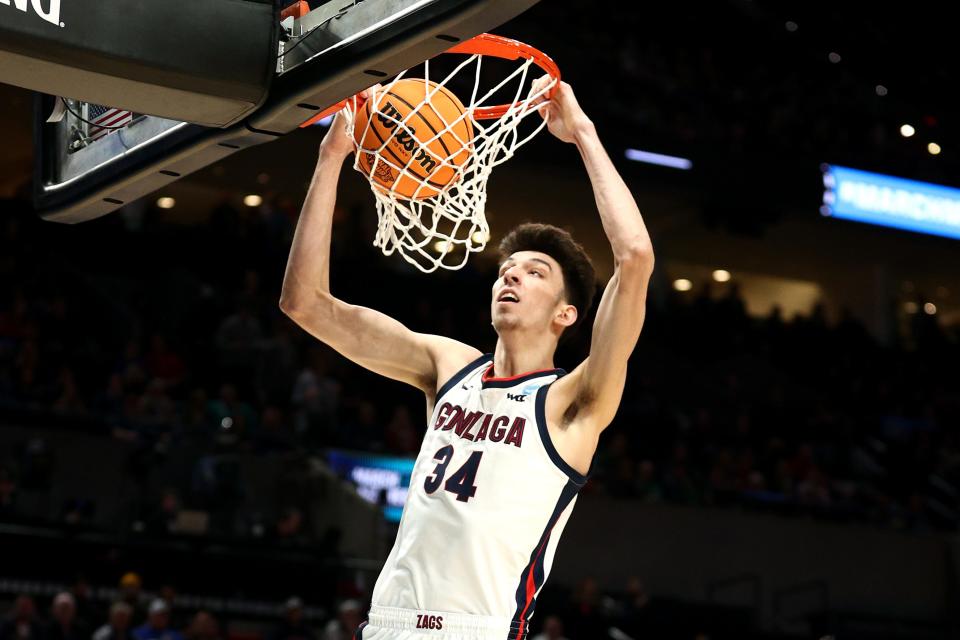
(583, 129)
(330, 152)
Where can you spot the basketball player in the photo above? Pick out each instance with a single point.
(509, 438)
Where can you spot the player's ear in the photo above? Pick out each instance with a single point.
(566, 315)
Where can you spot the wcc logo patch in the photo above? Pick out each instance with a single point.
(516, 397)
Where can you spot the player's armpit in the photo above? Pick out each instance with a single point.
(590, 395)
(379, 343)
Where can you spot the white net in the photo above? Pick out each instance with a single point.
(434, 225)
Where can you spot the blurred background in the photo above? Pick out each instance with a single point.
(179, 460)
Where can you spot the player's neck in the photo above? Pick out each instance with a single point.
(516, 354)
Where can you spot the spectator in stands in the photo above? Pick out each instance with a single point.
(178, 619)
(646, 487)
(78, 510)
(157, 626)
(37, 462)
(130, 592)
(65, 625)
(111, 402)
(203, 626)
(281, 357)
(131, 367)
(66, 396)
(635, 608)
(156, 407)
(552, 629)
(289, 529)
(400, 435)
(345, 624)
(87, 609)
(118, 626)
(27, 383)
(162, 518)
(22, 623)
(316, 398)
(232, 415)
(239, 341)
(163, 363)
(586, 619)
(363, 430)
(273, 432)
(292, 626)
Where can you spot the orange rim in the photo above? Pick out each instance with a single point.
(485, 44)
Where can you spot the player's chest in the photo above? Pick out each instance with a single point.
(483, 417)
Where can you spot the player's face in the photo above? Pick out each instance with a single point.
(528, 291)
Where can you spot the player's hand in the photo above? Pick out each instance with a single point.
(338, 142)
(565, 118)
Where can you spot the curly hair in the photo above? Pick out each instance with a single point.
(579, 277)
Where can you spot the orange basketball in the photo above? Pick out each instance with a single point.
(422, 154)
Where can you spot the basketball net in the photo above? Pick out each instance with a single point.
(443, 230)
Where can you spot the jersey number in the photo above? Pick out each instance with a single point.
(461, 482)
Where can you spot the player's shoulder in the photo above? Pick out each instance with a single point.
(451, 357)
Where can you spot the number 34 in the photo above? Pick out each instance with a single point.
(461, 482)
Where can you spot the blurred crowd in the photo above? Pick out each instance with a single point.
(582, 613)
(190, 361)
(132, 614)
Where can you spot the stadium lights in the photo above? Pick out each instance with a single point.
(649, 157)
(834, 57)
(480, 236)
(933, 148)
(881, 90)
(721, 275)
(252, 200)
(929, 308)
(443, 246)
(682, 284)
(791, 26)
(906, 131)
(166, 202)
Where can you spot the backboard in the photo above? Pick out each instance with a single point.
(92, 158)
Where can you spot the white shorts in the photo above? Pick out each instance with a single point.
(391, 623)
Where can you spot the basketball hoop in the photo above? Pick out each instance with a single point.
(439, 223)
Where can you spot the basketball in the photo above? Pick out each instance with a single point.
(424, 150)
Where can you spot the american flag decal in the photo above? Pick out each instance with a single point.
(102, 118)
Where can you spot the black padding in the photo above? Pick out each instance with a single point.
(209, 62)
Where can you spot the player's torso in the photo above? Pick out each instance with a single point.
(488, 499)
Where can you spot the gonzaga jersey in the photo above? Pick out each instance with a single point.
(488, 499)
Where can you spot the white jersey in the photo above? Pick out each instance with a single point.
(488, 500)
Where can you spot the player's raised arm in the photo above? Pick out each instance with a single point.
(371, 339)
(592, 392)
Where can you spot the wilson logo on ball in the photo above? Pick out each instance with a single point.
(420, 131)
(389, 118)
